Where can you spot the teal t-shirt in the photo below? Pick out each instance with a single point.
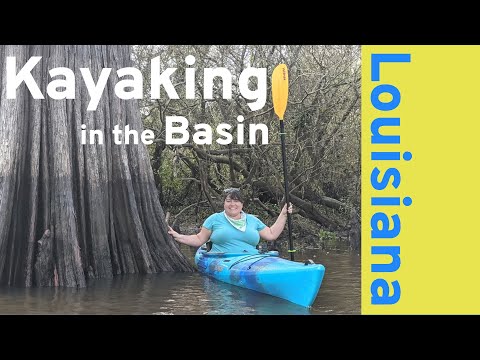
(226, 238)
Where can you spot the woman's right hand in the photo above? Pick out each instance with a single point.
(191, 240)
(173, 233)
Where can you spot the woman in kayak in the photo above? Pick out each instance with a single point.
(233, 230)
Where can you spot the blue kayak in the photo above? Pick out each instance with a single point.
(265, 272)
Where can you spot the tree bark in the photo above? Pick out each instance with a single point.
(99, 202)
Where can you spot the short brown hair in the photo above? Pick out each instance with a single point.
(232, 193)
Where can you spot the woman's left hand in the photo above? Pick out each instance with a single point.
(285, 210)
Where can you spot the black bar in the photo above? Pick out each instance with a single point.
(287, 192)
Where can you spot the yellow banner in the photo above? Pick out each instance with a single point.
(420, 179)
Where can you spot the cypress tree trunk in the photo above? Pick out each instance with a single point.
(94, 207)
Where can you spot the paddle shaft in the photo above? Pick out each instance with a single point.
(287, 192)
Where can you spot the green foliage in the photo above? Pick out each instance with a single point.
(326, 236)
(327, 240)
(168, 172)
(322, 124)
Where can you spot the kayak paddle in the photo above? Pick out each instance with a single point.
(280, 98)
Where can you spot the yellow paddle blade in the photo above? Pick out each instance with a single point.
(280, 89)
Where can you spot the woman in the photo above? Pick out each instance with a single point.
(232, 230)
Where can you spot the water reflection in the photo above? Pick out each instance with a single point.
(233, 300)
(188, 294)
